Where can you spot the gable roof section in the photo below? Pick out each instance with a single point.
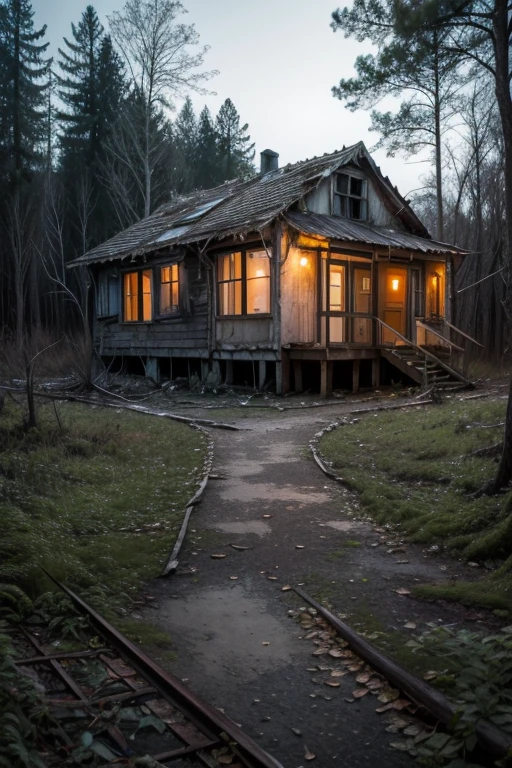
(348, 230)
(238, 207)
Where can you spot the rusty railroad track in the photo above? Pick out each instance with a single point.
(118, 703)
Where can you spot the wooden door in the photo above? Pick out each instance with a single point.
(362, 295)
(395, 305)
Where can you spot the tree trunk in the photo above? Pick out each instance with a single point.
(501, 45)
(437, 119)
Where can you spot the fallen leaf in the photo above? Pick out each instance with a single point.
(375, 684)
(430, 675)
(265, 643)
(299, 546)
(401, 746)
(402, 591)
(233, 578)
(363, 678)
(359, 693)
(286, 588)
(410, 625)
(336, 653)
(311, 635)
(338, 673)
(308, 755)
(332, 683)
(239, 547)
(272, 578)
(354, 667)
(398, 705)
(225, 759)
(389, 695)
(320, 651)
(217, 556)
(266, 516)
(412, 730)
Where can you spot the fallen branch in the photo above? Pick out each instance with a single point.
(490, 450)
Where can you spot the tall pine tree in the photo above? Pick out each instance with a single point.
(235, 151)
(22, 91)
(206, 158)
(91, 88)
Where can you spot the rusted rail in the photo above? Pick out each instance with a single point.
(491, 738)
(213, 724)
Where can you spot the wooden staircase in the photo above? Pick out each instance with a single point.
(435, 365)
(426, 367)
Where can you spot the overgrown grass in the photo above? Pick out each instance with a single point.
(97, 502)
(415, 469)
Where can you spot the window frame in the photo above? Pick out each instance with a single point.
(158, 290)
(139, 271)
(347, 198)
(243, 280)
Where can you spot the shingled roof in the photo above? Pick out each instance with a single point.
(239, 207)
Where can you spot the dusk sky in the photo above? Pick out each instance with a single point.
(277, 61)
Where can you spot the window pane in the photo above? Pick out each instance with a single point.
(169, 290)
(237, 265)
(342, 181)
(147, 309)
(258, 264)
(131, 297)
(356, 186)
(337, 288)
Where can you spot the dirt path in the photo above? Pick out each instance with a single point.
(236, 644)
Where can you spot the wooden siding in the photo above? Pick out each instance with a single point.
(299, 297)
(188, 330)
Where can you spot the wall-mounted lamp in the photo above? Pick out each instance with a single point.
(304, 261)
(395, 284)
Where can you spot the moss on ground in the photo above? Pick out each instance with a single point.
(418, 470)
(97, 501)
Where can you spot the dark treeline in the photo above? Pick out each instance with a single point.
(87, 144)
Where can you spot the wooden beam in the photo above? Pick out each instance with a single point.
(283, 374)
(325, 378)
(376, 373)
(297, 372)
(262, 373)
(356, 364)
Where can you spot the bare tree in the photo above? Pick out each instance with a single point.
(158, 53)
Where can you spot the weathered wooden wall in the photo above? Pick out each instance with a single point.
(188, 331)
(299, 297)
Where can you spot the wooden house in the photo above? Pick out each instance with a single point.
(305, 273)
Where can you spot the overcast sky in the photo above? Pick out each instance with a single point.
(277, 62)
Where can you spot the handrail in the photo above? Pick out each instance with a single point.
(462, 333)
(449, 343)
(423, 351)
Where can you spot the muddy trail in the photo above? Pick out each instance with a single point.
(269, 518)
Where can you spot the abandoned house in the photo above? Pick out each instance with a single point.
(313, 275)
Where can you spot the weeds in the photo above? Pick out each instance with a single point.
(97, 500)
(418, 471)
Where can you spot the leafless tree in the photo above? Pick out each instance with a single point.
(163, 62)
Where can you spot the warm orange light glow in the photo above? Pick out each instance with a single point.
(304, 261)
(395, 284)
(260, 273)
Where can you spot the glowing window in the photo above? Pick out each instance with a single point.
(243, 283)
(137, 296)
(169, 290)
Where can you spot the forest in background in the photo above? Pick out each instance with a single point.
(87, 146)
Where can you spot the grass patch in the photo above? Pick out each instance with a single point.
(415, 470)
(97, 502)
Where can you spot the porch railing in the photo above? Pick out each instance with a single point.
(426, 355)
